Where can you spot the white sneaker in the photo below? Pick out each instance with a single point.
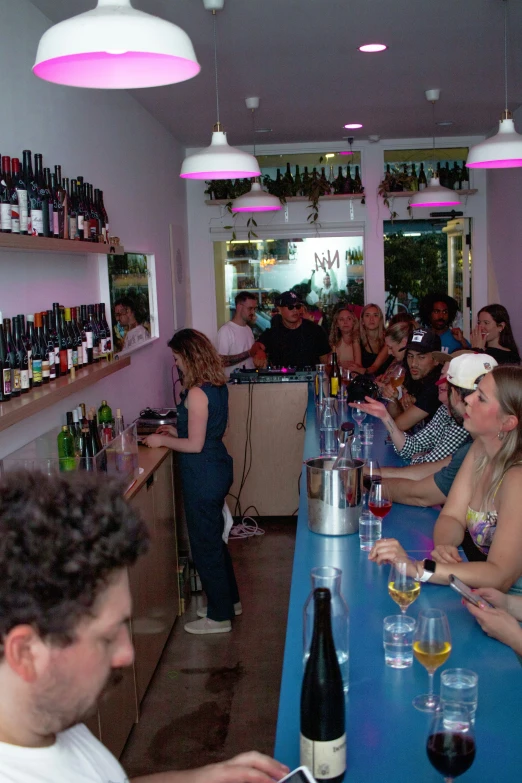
(206, 625)
(238, 609)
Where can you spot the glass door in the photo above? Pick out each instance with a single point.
(458, 236)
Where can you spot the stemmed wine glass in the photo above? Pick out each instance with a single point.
(402, 587)
(396, 379)
(380, 501)
(431, 647)
(371, 472)
(358, 415)
(451, 742)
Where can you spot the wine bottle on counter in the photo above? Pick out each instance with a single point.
(323, 734)
(5, 367)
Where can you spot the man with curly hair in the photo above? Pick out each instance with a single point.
(437, 312)
(65, 545)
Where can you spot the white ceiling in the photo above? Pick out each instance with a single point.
(300, 57)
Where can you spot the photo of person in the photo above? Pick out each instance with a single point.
(130, 297)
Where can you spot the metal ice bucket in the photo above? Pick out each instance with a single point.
(334, 496)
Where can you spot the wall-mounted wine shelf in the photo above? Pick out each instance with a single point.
(50, 245)
(411, 193)
(36, 400)
(223, 201)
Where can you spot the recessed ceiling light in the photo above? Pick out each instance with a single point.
(444, 123)
(353, 125)
(374, 47)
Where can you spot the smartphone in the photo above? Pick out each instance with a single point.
(299, 775)
(467, 593)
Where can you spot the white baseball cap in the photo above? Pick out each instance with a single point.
(464, 370)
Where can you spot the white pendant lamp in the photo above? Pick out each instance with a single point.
(257, 199)
(434, 195)
(504, 150)
(220, 160)
(115, 47)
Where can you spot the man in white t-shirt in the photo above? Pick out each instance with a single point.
(65, 603)
(235, 338)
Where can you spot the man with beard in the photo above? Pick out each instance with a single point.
(437, 312)
(65, 545)
(235, 338)
(429, 483)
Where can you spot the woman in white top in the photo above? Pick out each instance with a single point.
(344, 337)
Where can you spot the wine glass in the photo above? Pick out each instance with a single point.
(451, 742)
(358, 415)
(402, 587)
(431, 647)
(397, 376)
(371, 472)
(379, 502)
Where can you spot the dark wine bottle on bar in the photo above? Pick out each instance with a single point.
(357, 183)
(37, 350)
(5, 367)
(14, 360)
(42, 197)
(323, 734)
(62, 343)
(35, 219)
(5, 196)
(95, 335)
(22, 355)
(71, 336)
(59, 204)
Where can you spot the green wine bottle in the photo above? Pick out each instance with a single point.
(66, 451)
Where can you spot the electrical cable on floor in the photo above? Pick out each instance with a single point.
(246, 531)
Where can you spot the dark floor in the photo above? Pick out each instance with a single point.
(214, 696)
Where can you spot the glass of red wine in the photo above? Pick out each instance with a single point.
(379, 501)
(451, 741)
(371, 472)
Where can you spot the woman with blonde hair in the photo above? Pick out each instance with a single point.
(374, 353)
(344, 337)
(206, 473)
(483, 512)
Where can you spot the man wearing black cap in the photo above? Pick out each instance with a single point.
(421, 399)
(294, 342)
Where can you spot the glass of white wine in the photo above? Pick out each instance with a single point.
(431, 647)
(402, 587)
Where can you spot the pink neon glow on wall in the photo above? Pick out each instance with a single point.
(220, 174)
(116, 71)
(346, 152)
(511, 163)
(436, 204)
(256, 209)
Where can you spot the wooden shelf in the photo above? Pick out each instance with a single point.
(411, 193)
(43, 397)
(50, 245)
(223, 201)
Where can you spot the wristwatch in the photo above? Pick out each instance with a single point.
(429, 570)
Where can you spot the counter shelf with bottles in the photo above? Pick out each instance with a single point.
(118, 459)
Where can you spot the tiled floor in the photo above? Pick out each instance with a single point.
(214, 696)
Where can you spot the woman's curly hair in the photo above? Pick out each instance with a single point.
(202, 362)
(61, 540)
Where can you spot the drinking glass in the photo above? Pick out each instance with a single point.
(345, 382)
(397, 377)
(403, 589)
(451, 742)
(371, 472)
(379, 501)
(358, 415)
(370, 530)
(431, 647)
(459, 686)
(397, 639)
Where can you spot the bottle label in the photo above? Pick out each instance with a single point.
(51, 356)
(5, 217)
(6, 381)
(46, 370)
(63, 361)
(85, 358)
(324, 759)
(103, 346)
(89, 337)
(69, 358)
(79, 223)
(80, 354)
(17, 379)
(30, 363)
(36, 221)
(56, 224)
(75, 357)
(73, 227)
(334, 387)
(22, 208)
(24, 377)
(15, 219)
(37, 371)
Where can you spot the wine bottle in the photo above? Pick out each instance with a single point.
(74, 218)
(66, 452)
(119, 426)
(50, 199)
(87, 457)
(59, 195)
(349, 181)
(464, 176)
(46, 352)
(49, 348)
(105, 217)
(29, 340)
(325, 185)
(455, 176)
(62, 341)
(37, 351)
(71, 335)
(414, 179)
(335, 377)
(104, 413)
(5, 367)
(338, 182)
(75, 316)
(15, 207)
(297, 183)
(42, 200)
(89, 334)
(22, 355)
(422, 178)
(95, 335)
(21, 191)
(14, 360)
(323, 734)
(67, 338)
(105, 326)
(85, 339)
(357, 183)
(5, 196)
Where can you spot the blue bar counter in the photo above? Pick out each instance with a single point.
(386, 736)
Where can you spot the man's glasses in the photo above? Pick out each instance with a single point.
(292, 307)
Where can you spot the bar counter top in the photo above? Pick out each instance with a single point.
(149, 460)
(386, 736)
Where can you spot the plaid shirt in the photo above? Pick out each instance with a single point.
(439, 439)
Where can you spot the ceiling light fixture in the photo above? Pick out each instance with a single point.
(115, 47)
(353, 126)
(434, 195)
(257, 199)
(504, 149)
(372, 48)
(219, 160)
(349, 139)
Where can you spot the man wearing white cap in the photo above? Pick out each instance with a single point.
(428, 484)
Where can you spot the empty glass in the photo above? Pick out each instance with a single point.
(459, 686)
(370, 529)
(357, 414)
(329, 430)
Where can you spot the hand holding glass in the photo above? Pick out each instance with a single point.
(358, 415)
(431, 647)
(403, 589)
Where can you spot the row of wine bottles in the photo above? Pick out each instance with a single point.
(38, 348)
(455, 178)
(84, 436)
(44, 204)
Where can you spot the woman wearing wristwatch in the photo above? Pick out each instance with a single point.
(483, 512)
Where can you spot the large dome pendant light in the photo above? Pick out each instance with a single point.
(257, 199)
(115, 47)
(220, 160)
(504, 150)
(434, 195)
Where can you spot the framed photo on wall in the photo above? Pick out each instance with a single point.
(133, 302)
